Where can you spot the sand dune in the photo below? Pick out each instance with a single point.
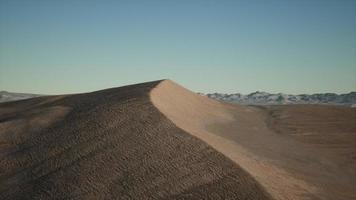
(158, 140)
(259, 140)
(110, 144)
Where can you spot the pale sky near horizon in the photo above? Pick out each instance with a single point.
(56, 47)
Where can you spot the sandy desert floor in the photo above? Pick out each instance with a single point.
(158, 140)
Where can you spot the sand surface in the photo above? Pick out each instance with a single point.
(295, 152)
(158, 140)
(111, 144)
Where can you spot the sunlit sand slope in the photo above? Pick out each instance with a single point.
(259, 140)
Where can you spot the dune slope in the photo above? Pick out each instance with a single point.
(288, 168)
(110, 144)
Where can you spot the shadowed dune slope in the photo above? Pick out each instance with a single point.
(110, 144)
(260, 140)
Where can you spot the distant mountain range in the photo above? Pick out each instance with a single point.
(257, 98)
(10, 96)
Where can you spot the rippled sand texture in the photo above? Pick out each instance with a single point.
(111, 144)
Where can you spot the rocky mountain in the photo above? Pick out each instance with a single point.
(9, 96)
(280, 98)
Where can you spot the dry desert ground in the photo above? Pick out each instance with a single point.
(158, 140)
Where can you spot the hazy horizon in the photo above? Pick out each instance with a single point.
(187, 88)
(293, 47)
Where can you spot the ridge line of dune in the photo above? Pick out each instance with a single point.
(194, 114)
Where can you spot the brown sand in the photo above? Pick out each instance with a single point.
(274, 144)
(328, 128)
(115, 144)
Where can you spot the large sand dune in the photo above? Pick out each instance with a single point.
(158, 140)
(295, 152)
(110, 144)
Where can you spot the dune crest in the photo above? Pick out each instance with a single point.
(286, 168)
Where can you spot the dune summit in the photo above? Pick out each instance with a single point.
(158, 140)
(110, 144)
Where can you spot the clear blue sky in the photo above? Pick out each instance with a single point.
(68, 46)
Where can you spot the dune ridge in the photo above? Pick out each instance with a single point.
(286, 167)
(158, 140)
(110, 144)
